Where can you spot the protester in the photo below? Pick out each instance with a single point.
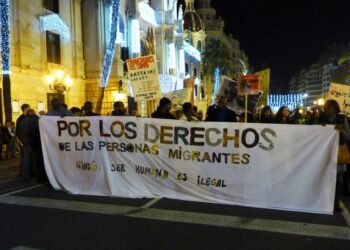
(250, 118)
(10, 139)
(119, 109)
(32, 162)
(58, 109)
(135, 112)
(76, 111)
(177, 111)
(25, 107)
(266, 115)
(87, 109)
(283, 116)
(221, 113)
(188, 113)
(200, 115)
(331, 115)
(298, 117)
(163, 110)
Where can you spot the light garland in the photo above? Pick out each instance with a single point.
(110, 50)
(53, 22)
(292, 101)
(5, 36)
(216, 81)
(192, 51)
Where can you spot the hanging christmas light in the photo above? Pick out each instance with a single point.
(110, 50)
(5, 36)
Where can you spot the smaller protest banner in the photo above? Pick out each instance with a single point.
(180, 96)
(143, 75)
(248, 85)
(235, 102)
(340, 93)
(264, 84)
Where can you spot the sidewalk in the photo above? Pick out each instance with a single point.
(9, 171)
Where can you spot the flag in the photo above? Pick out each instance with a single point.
(264, 78)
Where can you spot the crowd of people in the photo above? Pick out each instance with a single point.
(27, 128)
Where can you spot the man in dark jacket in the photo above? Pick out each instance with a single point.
(32, 163)
(163, 110)
(221, 113)
(87, 109)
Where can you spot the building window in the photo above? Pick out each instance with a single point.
(199, 46)
(186, 68)
(52, 5)
(53, 47)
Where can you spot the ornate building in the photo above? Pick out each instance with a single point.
(46, 38)
(58, 46)
(214, 29)
(194, 44)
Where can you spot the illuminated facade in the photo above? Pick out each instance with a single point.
(45, 37)
(70, 36)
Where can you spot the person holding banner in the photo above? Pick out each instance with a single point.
(58, 109)
(87, 109)
(283, 116)
(221, 113)
(331, 115)
(119, 109)
(163, 110)
(188, 113)
(266, 115)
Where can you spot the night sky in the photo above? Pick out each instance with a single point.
(285, 35)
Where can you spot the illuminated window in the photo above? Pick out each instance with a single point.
(52, 5)
(53, 47)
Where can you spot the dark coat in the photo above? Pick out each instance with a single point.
(221, 115)
(161, 115)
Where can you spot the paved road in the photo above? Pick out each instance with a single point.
(38, 217)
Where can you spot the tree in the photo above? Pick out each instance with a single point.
(216, 56)
(331, 53)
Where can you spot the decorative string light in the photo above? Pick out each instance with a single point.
(53, 22)
(192, 51)
(108, 59)
(5, 36)
(292, 101)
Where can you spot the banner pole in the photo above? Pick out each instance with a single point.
(246, 108)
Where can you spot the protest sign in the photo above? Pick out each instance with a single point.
(264, 85)
(229, 89)
(180, 96)
(340, 93)
(143, 75)
(248, 85)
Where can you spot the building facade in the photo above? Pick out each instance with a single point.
(70, 37)
(46, 37)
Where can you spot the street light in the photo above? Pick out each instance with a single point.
(59, 81)
(320, 102)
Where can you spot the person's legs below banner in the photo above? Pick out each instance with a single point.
(26, 168)
(346, 178)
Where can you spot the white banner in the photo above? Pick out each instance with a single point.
(284, 167)
(143, 75)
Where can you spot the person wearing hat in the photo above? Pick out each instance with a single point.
(163, 110)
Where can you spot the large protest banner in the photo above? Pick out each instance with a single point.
(340, 93)
(271, 166)
(143, 75)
